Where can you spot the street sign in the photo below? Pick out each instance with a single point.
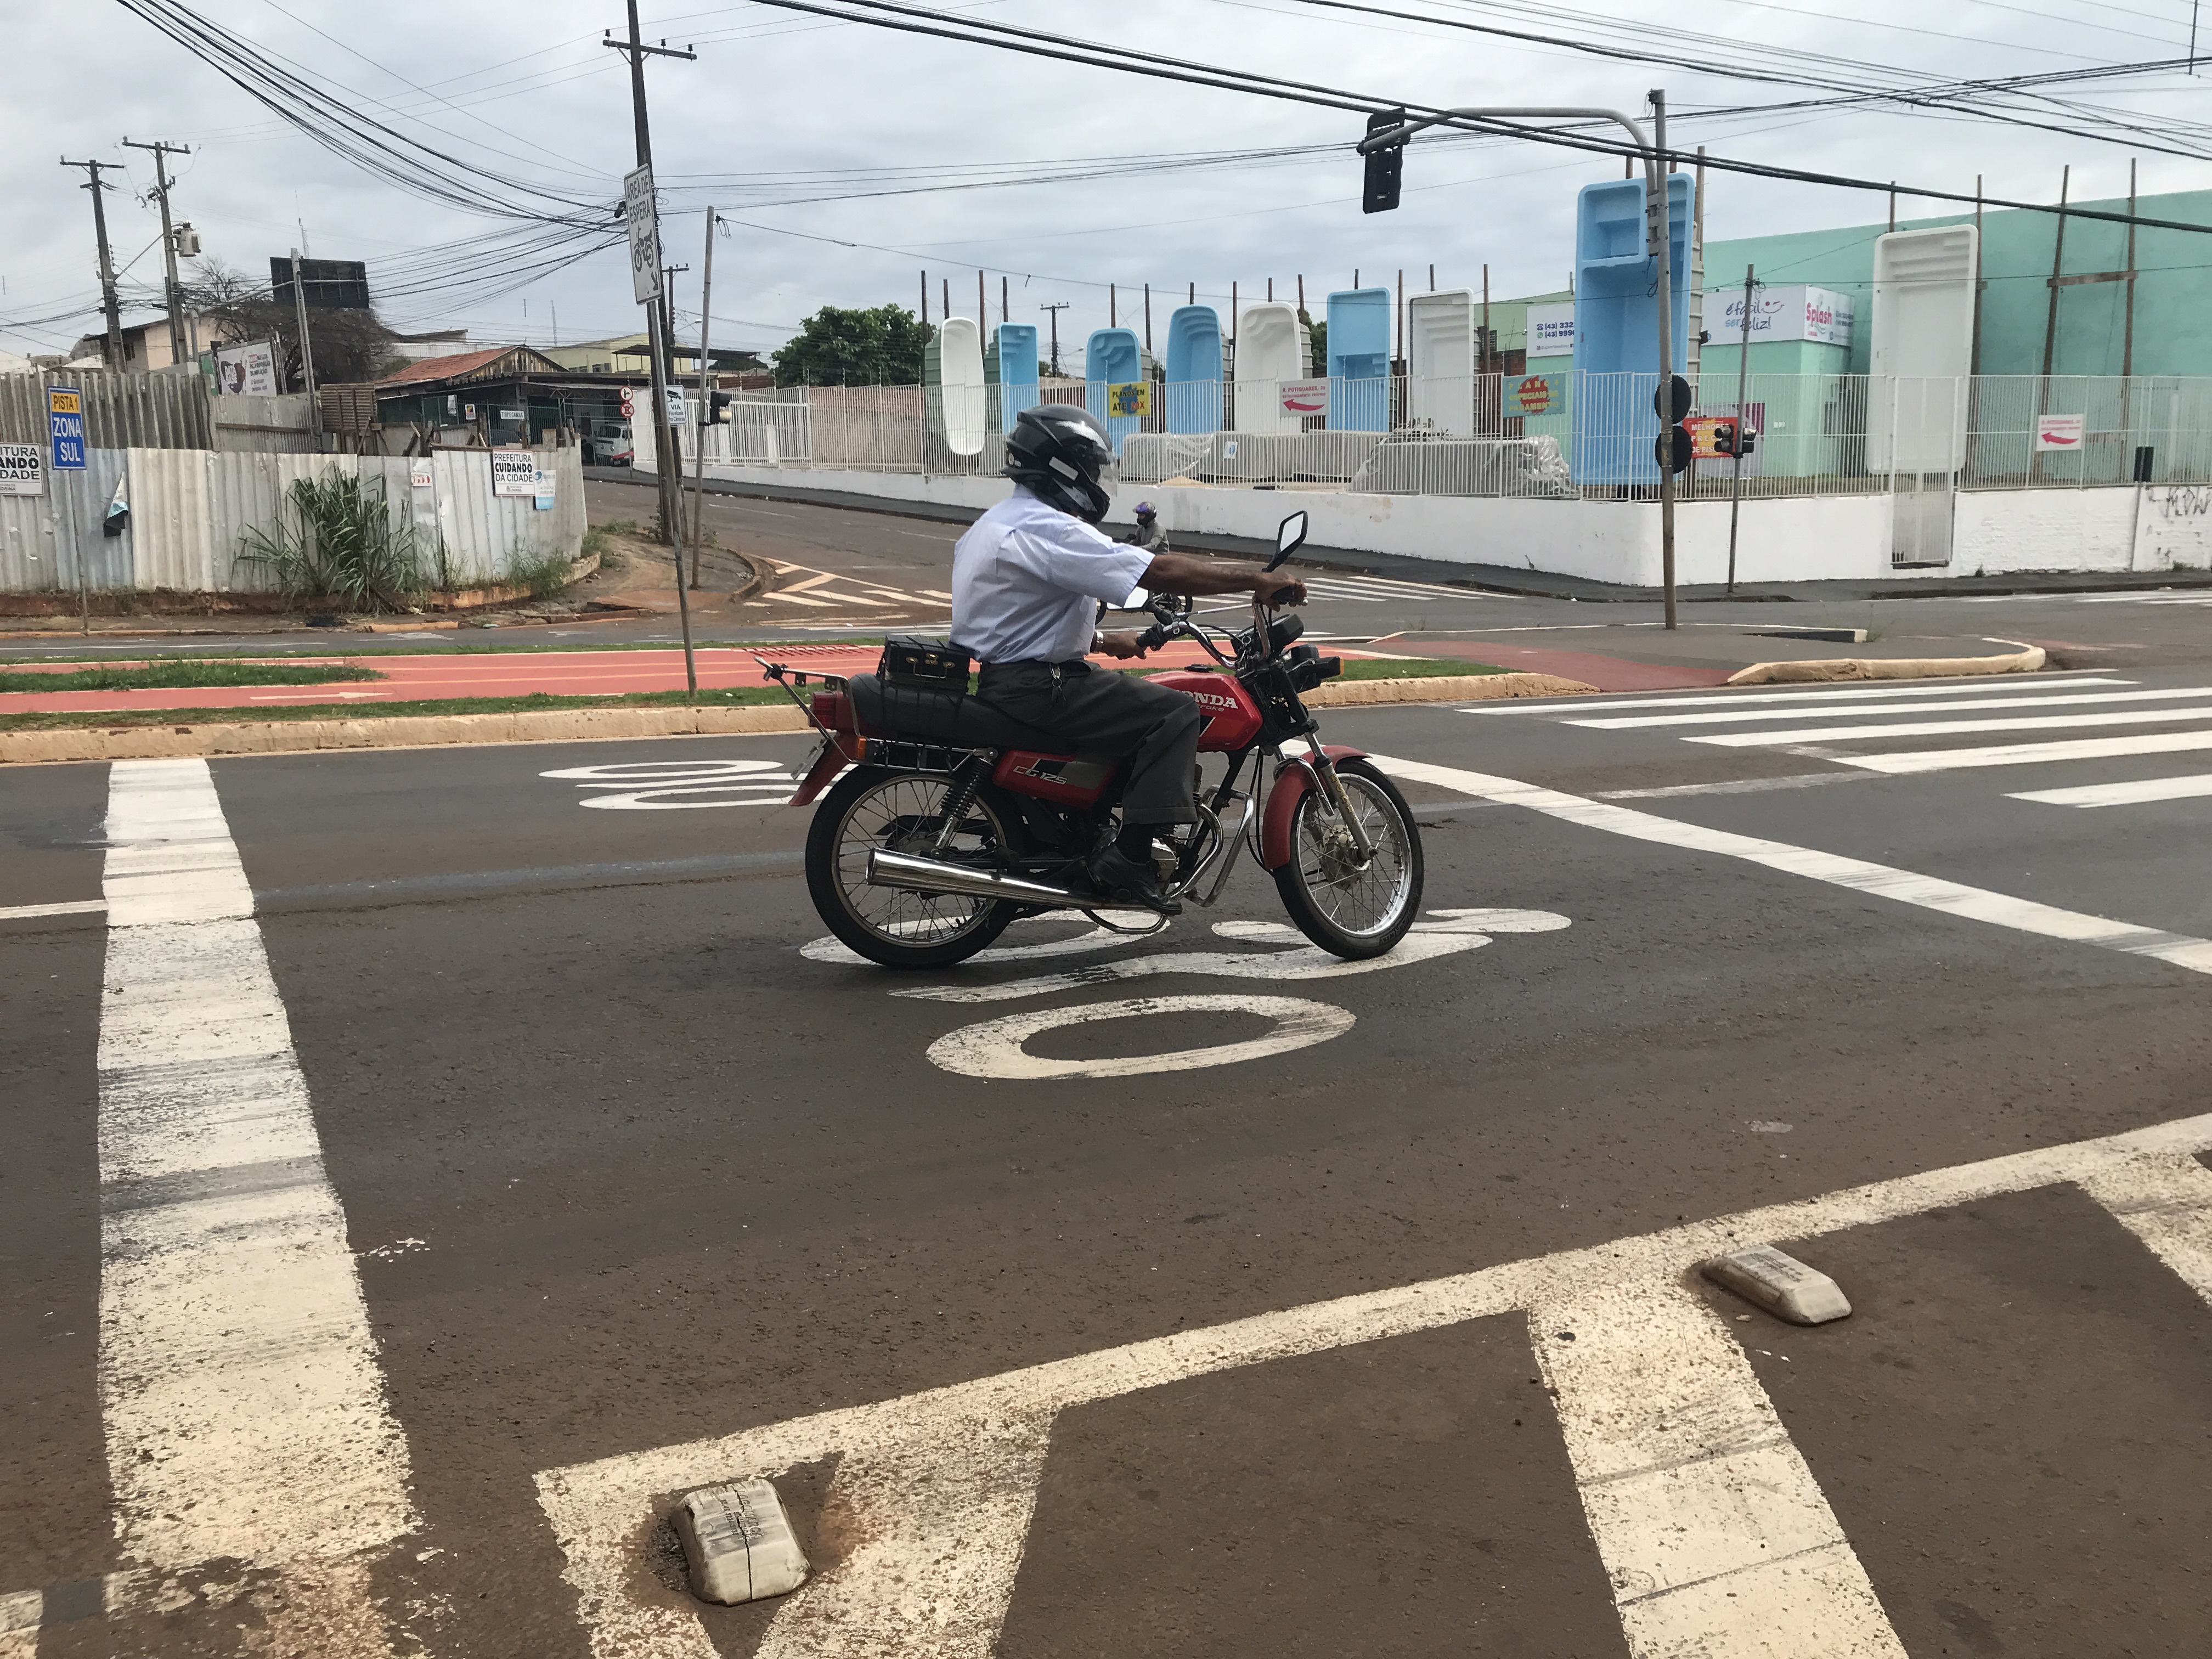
(23, 469)
(1303, 397)
(676, 411)
(1129, 398)
(513, 473)
(629, 404)
(2059, 432)
(644, 234)
(1676, 391)
(65, 426)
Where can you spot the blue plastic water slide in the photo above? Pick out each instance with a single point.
(1617, 326)
(1359, 359)
(1010, 364)
(1194, 369)
(1112, 357)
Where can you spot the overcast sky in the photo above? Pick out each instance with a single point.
(780, 107)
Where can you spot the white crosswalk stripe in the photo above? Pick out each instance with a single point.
(1380, 590)
(2151, 596)
(1886, 731)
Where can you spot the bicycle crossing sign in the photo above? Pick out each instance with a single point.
(65, 427)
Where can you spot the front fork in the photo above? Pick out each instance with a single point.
(1340, 798)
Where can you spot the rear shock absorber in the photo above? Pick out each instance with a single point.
(966, 783)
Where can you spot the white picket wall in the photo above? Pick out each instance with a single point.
(190, 509)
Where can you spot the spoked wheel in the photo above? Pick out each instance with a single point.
(1349, 910)
(900, 813)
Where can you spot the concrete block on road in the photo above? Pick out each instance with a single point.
(740, 1543)
(1781, 1283)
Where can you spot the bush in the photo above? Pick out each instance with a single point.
(333, 539)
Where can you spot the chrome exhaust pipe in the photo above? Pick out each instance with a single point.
(918, 875)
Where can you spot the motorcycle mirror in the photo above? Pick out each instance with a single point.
(1289, 535)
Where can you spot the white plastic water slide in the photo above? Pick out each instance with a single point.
(960, 370)
(1440, 354)
(1270, 348)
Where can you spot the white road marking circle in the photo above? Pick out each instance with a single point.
(993, 1049)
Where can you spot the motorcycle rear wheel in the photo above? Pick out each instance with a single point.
(1349, 911)
(901, 811)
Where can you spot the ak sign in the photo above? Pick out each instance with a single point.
(65, 427)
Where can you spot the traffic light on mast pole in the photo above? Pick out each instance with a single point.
(1385, 166)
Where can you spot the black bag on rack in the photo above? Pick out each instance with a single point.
(908, 661)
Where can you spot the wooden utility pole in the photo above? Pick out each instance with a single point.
(114, 350)
(1148, 317)
(668, 449)
(2057, 269)
(306, 347)
(2128, 337)
(174, 290)
(1055, 308)
(924, 303)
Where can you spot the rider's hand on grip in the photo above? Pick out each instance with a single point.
(1280, 590)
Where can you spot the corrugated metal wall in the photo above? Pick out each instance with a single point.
(190, 510)
(284, 424)
(121, 411)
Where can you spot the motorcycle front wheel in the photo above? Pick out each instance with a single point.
(870, 808)
(1349, 911)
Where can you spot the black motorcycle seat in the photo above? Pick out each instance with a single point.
(951, 716)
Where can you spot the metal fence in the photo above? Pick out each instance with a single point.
(1546, 435)
(121, 411)
(189, 511)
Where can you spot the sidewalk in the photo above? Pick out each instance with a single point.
(1497, 579)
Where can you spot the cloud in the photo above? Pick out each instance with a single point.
(782, 114)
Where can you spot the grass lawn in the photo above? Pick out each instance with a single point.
(181, 672)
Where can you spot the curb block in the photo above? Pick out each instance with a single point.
(2028, 660)
(600, 724)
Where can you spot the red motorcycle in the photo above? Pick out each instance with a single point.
(954, 821)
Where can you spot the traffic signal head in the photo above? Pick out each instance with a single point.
(1724, 437)
(1385, 166)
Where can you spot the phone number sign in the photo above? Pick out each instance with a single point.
(65, 427)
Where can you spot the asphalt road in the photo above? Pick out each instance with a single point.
(1381, 1345)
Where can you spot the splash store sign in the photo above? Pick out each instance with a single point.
(1819, 316)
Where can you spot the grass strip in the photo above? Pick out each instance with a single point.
(1410, 668)
(183, 672)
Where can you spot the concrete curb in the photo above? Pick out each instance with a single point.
(405, 732)
(602, 725)
(2026, 659)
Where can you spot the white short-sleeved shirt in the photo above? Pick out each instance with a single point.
(1027, 579)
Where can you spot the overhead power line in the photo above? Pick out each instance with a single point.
(916, 20)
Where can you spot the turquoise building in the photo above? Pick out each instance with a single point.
(2173, 322)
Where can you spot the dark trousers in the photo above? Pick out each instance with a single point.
(1098, 709)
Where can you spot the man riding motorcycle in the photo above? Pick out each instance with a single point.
(1027, 580)
(1148, 535)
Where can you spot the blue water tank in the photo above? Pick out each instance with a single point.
(1112, 357)
(1193, 370)
(1009, 362)
(1359, 359)
(1617, 326)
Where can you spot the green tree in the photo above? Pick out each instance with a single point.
(839, 346)
(1318, 341)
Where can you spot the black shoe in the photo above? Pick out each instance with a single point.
(1130, 881)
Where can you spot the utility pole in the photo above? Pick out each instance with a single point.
(1742, 381)
(666, 443)
(175, 292)
(668, 312)
(306, 347)
(706, 404)
(668, 453)
(1056, 309)
(112, 306)
(1662, 234)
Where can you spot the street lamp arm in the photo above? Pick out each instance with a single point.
(1399, 134)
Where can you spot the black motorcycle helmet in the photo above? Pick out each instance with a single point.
(1059, 450)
